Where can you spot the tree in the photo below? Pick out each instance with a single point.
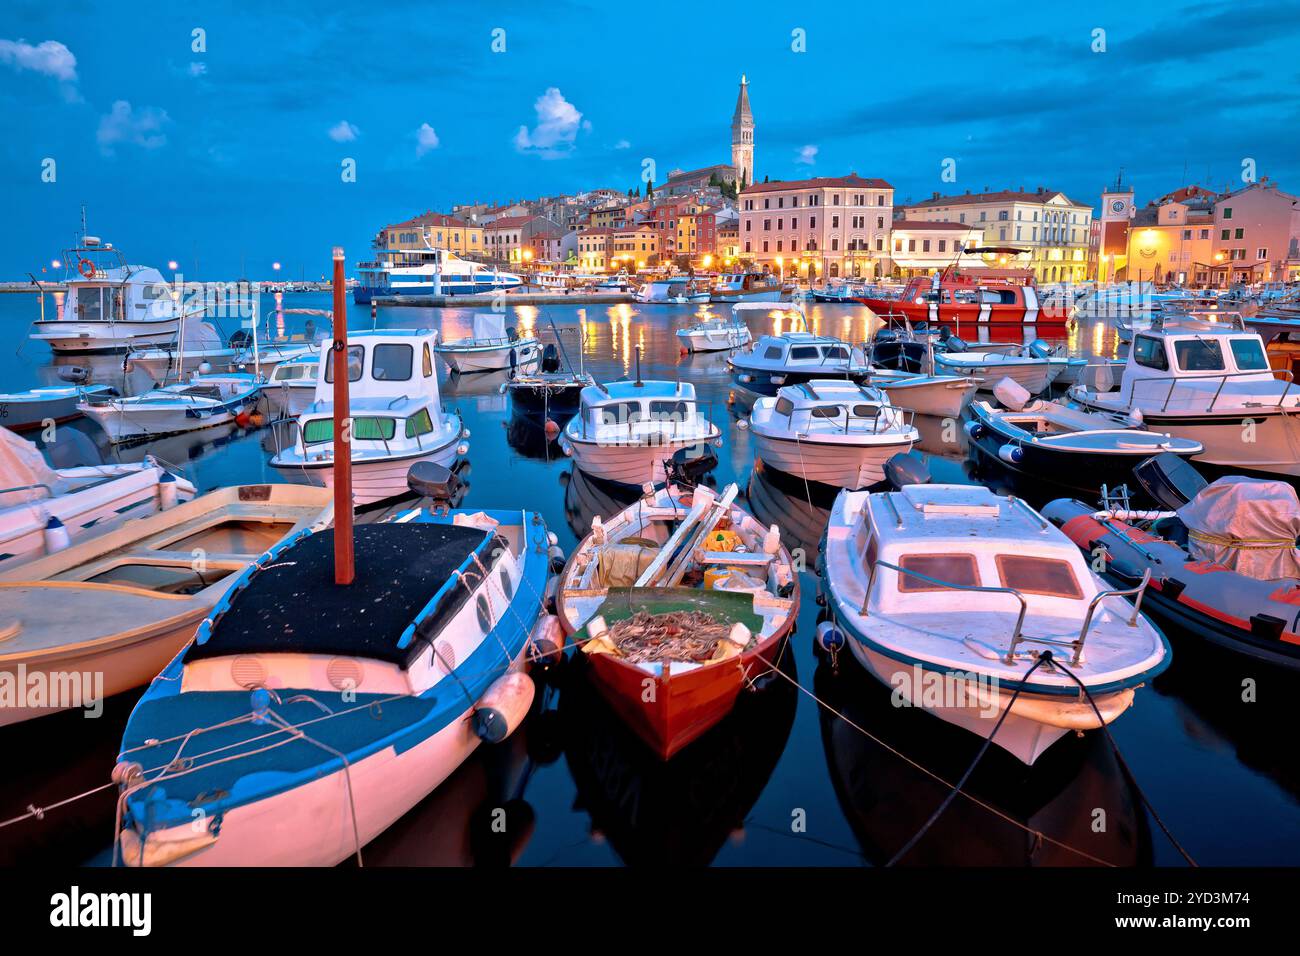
(650, 190)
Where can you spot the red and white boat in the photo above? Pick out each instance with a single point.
(955, 297)
(679, 550)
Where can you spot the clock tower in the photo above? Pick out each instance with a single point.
(1117, 212)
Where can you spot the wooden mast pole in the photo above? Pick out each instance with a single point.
(344, 565)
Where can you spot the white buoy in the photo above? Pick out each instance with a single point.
(772, 540)
(168, 492)
(56, 535)
(503, 707)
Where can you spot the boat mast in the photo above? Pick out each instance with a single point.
(344, 565)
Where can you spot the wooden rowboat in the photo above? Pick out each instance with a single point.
(655, 557)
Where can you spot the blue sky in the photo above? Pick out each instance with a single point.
(234, 154)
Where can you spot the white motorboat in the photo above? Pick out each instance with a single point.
(624, 431)
(291, 386)
(427, 270)
(714, 334)
(42, 509)
(492, 348)
(675, 290)
(1207, 379)
(747, 287)
(397, 416)
(950, 595)
(832, 431)
(34, 408)
(119, 605)
(109, 306)
(203, 401)
(197, 348)
(935, 396)
(790, 358)
(1032, 372)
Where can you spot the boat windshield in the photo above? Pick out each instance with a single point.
(1034, 575)
(1199, 355)
(951, 569)
(1249, 355)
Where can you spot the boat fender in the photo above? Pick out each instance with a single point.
(778, 379)
(556, 554)
(830, 639)
(1011, 454)
(547, 640)
(1136, 417)
(205, 367)
(464, 433)
(462, 448)
(168, 491)
(772, 540)
(743, 424)
(1266, 626)
(734, 643)
(503, 707)
(975, 430)
(56, 535)
(550, 595)
(745, 379)
(551, 429)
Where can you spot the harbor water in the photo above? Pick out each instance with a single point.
(817, 769)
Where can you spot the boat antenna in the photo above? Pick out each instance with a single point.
(344, 563)
(639, 383)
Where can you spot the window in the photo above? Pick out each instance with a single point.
(484, 614)
(1187, 233)
(356, 359)
(835, 352)
(826, 411)
(1225, 233)
(802, 352)
(1038, 575)
(428, 361)
(419, 424)
(1227, 212)
(772, 352)
(1199, 355)
(956, 569)
(1149, 353)
(1239, 233)
(1261, 253)
(670, 411)
(620, 413)
(507, 587)
(392, 363)
(1249, 355)
(784, 407)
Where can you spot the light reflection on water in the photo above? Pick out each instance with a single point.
(590, 796)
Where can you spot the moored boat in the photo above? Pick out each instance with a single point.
(714, 334)
(678, 563)
(34, 408)
(747, 287)
(492, 348)
(1032, 372)
(202, 402)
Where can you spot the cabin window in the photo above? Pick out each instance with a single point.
(1249, 355)
(835, 352)
(428, 361)
(800, 352)
(866, 411)
(772, 352)
(374, 429)
(392, 363)
(1150, 353)
(1199, 355)
(670, 411)
(826, 411)
(287, 373)
(620, 413)
(484, 614)
(318, 430)
(356, 359)
(1038, 575)
(951, 569)
(419, 424)
(507, 588)
(784, 406)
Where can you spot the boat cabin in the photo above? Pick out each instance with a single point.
(940, 541)
(837, 405)
(1209, 351)
(800, 351)
(623, 409)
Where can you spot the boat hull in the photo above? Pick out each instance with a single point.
(626, 464)
(956, 314)
(841, 464)
(1034, 377)
(70, 336)
(935, 399)
(765, 295)
(719, 340)
(372, 481)
(287, 401)
(760, 381)
(519, 355)
(146, 423)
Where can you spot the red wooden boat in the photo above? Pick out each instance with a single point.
(656, 556)
(969, 297)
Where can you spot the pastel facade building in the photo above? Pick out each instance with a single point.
(924, 248)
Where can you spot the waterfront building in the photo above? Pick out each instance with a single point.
(924, 248)
(818, 228)
(1256, 236)
(1052, 228)
(433, 230)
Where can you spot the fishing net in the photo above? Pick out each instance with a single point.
(673, 636)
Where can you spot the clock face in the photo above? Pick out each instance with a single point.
(1117, 205)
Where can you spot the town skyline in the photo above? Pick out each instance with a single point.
(231, 142)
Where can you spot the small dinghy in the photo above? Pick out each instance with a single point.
(678, 602)
(714, 334)
(552, 393)
(949, 595)
(625, 430)
(34, 408)
(203, 401)
(1221, 557)
(291, 386)
(492, 348)
(936, 396)
(43, 509)
(1067, 447)
(113, 609)
(1032, 372)
(397, 417)
(832, 431)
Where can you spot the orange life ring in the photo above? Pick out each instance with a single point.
(86, 268)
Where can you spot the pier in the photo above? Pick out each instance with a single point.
(512, 298)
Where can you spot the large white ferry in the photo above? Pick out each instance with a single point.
(427, 271)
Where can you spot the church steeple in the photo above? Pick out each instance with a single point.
(742, 135)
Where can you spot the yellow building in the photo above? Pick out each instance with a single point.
(593, 248)
(436, 230)
(633, 247)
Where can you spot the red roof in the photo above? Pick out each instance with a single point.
(431, 219)
(508, 222)
(821, 182)
(1003, 195)
(921, 224)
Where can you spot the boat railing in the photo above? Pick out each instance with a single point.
(1137, 592)
(1173, 380)
(893, 415)
(979, 588)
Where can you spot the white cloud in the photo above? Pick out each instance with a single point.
(622, 144)
(124, 124)
(198, 69)
(806, 155)
(558, 122)
(51, 58)
(344, 132)
(425, 139)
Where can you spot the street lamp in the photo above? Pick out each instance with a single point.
(780, 265)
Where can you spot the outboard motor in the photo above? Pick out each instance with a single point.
(906, 468)
(241, 339)
(435, 482)
(74, 374)
(688, 466)
(550, 358)
(1169, 479)
(1040, 349)
(954, 344)
(512, 334)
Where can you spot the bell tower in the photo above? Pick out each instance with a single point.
(742, 136)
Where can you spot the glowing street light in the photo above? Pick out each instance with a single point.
(275, 266)
(56, 264)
